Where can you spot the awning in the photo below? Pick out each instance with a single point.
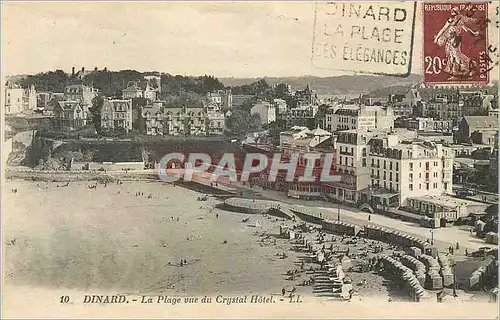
(385, 195)
(379, 192)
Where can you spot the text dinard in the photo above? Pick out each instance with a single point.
(370, 33)
(173, 300)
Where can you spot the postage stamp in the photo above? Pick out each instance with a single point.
(366, 37)
(455, 42)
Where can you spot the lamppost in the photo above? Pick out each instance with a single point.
(338, 211)
(432, 237)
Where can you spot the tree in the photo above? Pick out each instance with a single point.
(137, 104)
(95, 112)
(274, 129)
(53, 81)
(281, 91)
(259, 89)
(240, 122)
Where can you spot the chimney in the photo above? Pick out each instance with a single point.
(73, 71)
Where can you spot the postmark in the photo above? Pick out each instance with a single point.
(455, 40)
(365, 37)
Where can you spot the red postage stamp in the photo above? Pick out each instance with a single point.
(455, 42)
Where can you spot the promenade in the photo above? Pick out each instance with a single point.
(442, 238)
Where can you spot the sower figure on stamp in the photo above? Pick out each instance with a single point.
(450, 36)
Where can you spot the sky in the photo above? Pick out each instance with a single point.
(192, 38)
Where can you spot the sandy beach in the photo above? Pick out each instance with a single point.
(110, 239)
(78, 237)
(130, 238)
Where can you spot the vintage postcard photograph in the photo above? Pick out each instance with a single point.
(249, 159)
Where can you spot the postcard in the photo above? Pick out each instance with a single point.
(238, 159)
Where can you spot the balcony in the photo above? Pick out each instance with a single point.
(374, 176)
(375, 165)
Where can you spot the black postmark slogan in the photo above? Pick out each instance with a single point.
(365, 37)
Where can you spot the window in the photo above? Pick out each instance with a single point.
(427, 176)
(420, 175)
(435, 164)
(373, 162)
(410, 187)
(419, 186)
(397, 187)
(378, 163)
(364, 152)
(390, 165)
(385, 185)
(385, 175)
(364, 162)
(373, 172)
(411, 177)
(390, 175)
(426, 186)
(411, 166)
(427, 166)
(435, 174)
(397, 166)
(385, 167)
(390, 185)
(397, 177)
(435, 185)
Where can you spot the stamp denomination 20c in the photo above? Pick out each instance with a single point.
(456, 42)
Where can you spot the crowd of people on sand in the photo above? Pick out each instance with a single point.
(182, 263)
(141, 194)
(326, 252)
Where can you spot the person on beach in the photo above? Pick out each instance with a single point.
(216, 216)
(283, 291)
